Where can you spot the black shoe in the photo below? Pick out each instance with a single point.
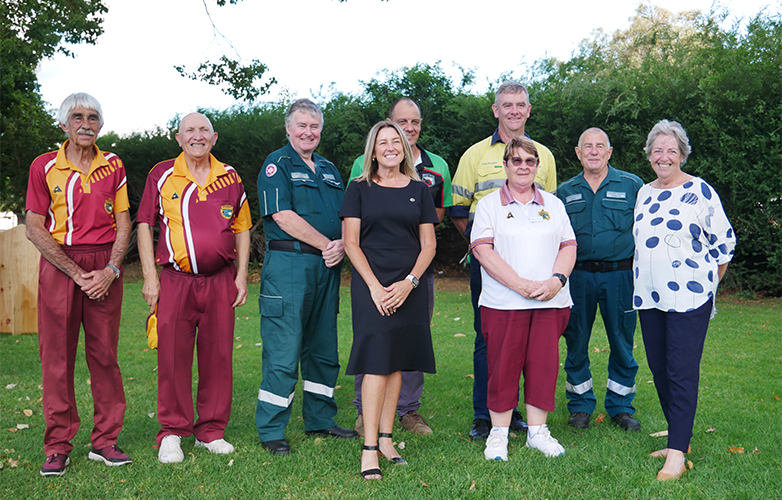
(335, 432)
(626, 422)
(480, 429)
(517, 422)
(579, 420)
(277, 447)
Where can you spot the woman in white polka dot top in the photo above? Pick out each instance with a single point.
(683, 242)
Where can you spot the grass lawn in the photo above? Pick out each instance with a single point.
(739, 408)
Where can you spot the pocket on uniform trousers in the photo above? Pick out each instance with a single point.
(270, 306)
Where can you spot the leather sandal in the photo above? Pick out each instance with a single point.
(394, 460)
(373, 471)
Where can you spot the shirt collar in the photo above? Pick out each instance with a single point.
(216, 169)
(506, 198)
(495, 137)
(63, 163)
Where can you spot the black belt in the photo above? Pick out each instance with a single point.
(596, 266)
(290, 246)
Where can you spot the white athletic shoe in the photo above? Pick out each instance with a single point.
(544, 442)
(218, 446)
(496, 448)
(170, 451)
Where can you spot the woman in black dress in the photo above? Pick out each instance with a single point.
(389, 221)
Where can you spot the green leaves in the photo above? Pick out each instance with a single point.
(236, 80)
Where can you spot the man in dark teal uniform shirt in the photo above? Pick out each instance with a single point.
(600, 203)
(300, 194)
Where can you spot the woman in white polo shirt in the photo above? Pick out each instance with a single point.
(523, 239)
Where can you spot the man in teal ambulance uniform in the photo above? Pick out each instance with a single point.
(600, 203)
(300, 195)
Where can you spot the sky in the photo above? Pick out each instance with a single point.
(312, 46)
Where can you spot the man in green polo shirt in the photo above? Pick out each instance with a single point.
(600, 202)
(433, 171)
(300, 194)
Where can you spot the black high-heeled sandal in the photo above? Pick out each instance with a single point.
(371, 472)
(395, 460)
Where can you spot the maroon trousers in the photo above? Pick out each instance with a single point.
(195, 310)
(522, 341)
(62, 309)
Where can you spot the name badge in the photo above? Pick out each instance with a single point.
(299, 175)
(573, 197)
(614, 194)
(537, 218)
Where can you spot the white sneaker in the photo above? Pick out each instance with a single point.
(496, 448)
(218, 446)
(544, 442)
(170, 451)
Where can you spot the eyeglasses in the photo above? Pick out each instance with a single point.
(518, 162)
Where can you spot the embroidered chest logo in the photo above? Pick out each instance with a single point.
(57, 189)
(428, 179)
(510, 216)
(108, 205)
(175, 197)
(544, 215)
(271, 169)
(226, 211)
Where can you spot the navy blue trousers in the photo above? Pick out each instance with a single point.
(674, 346)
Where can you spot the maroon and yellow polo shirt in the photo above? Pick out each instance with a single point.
(197, 223)
(79, 208)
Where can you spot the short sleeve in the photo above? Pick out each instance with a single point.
(149, 208)
(274, 187)
(568, 236)
(428, 212)
(243, 220)
(121, 203)
(482, 227)
(351, 205)
(38, 197)
(358, 167)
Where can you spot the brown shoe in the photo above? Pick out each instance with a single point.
(360, 424)
(415, 423)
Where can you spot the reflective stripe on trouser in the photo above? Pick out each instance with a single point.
(298, 304)
(613, 292)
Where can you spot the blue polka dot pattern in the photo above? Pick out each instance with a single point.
(687, 227)
(694, 286)
(705, 190)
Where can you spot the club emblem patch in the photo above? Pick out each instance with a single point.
(108, 205)
(226, 211)
(544, 215)
(271, 169)
(428, 179)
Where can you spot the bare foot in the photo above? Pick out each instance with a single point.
(389, 451)
(674, 463)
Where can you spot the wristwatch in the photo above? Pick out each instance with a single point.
(562, 278)
(114, 268)
(412, 279)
